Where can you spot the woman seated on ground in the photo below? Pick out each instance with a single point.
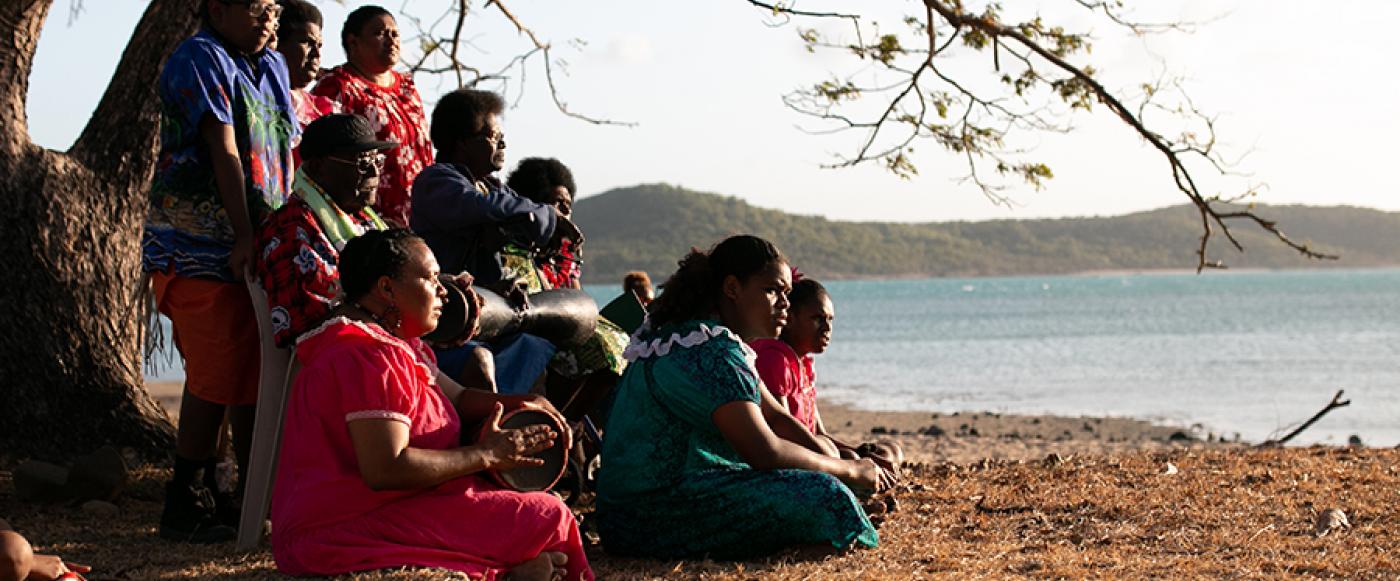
(583, 375)
(371, 473)
(785, 366)
(690, 466)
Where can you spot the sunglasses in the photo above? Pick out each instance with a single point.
(366, 164)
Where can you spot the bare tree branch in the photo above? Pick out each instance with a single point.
(457, 40)
(1110, 10)
(437, 48)
(779, 9)
(549, 70)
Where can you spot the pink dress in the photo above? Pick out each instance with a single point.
(790, 378)
(326, 521)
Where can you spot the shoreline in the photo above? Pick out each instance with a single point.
(959, 437)
(967, 437)
(1094, 273)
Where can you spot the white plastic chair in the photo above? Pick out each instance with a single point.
(279, 368)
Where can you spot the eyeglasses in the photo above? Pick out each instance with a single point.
(366, 164)
(258, 10)
(498, 139)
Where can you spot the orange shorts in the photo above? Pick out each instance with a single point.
(217, 334)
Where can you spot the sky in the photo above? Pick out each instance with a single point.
(1308, 106)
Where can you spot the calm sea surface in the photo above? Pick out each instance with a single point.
(1246, 353)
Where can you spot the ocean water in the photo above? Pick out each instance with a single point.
(1247, 353)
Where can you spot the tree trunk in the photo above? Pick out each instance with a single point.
(73, 300)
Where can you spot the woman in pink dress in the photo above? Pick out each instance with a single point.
(785, 366)
(369, 86)
(371, 473)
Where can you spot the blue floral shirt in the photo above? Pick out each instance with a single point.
(187, 230)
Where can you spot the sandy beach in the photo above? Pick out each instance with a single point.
(989, 495)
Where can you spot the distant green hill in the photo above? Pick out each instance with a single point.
(649, 227)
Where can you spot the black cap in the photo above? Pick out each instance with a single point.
(339, 133)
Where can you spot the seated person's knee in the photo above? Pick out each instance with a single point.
(16, 556)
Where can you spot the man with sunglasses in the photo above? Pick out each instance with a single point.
(332, 198)
(227, 126)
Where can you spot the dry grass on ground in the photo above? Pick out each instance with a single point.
(1223, 513)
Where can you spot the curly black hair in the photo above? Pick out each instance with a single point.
(356, 21)
(462, 113)
(371, 255)
(536, 177)
(694, 290)
(804, 292)
(296, 14)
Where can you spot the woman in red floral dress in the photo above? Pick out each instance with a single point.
(369, 86)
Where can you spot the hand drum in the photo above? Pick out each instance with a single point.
(534, 478)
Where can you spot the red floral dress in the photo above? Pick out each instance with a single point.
(396, 114)
(309, 108)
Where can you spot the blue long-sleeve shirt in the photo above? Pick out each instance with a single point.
(451, 214)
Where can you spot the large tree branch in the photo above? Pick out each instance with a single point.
(982, 138)
(119, 141)
(20, 21)
(1181, 175)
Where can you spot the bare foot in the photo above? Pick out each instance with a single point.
(547, 566)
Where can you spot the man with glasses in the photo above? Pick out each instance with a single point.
(299, 244)
(466, 215)
(461, 208)
(227, 126)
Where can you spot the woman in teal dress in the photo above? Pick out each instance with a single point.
(699, 461)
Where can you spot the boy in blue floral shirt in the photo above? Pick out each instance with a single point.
(227, 125)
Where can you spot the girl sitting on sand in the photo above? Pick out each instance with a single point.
(371, 473)
(690, 466)
(785, 366)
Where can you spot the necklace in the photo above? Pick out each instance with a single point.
(380, 319)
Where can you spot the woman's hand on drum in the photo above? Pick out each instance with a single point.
(513, 448)
(541, 403)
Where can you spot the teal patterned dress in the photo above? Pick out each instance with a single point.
(670, 486)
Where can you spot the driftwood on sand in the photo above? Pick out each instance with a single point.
(1337, 402)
